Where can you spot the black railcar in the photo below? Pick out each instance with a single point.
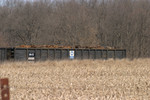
(42, 54)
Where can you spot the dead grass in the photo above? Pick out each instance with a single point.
(79, 80)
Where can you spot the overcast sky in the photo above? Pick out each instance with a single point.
(2, 1)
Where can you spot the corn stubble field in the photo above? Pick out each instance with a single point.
(79, 80)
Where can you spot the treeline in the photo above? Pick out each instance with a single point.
(116, 23)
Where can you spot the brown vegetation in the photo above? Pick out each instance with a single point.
(114, 23)
(79, 80)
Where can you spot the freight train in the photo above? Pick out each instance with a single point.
(42, 53)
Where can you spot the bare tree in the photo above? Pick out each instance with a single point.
(116, 23)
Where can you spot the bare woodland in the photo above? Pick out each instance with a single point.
(116, 23)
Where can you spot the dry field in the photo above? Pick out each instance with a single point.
(79, 80)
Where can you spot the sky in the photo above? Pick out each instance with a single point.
(35, 0)
(2, 1)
